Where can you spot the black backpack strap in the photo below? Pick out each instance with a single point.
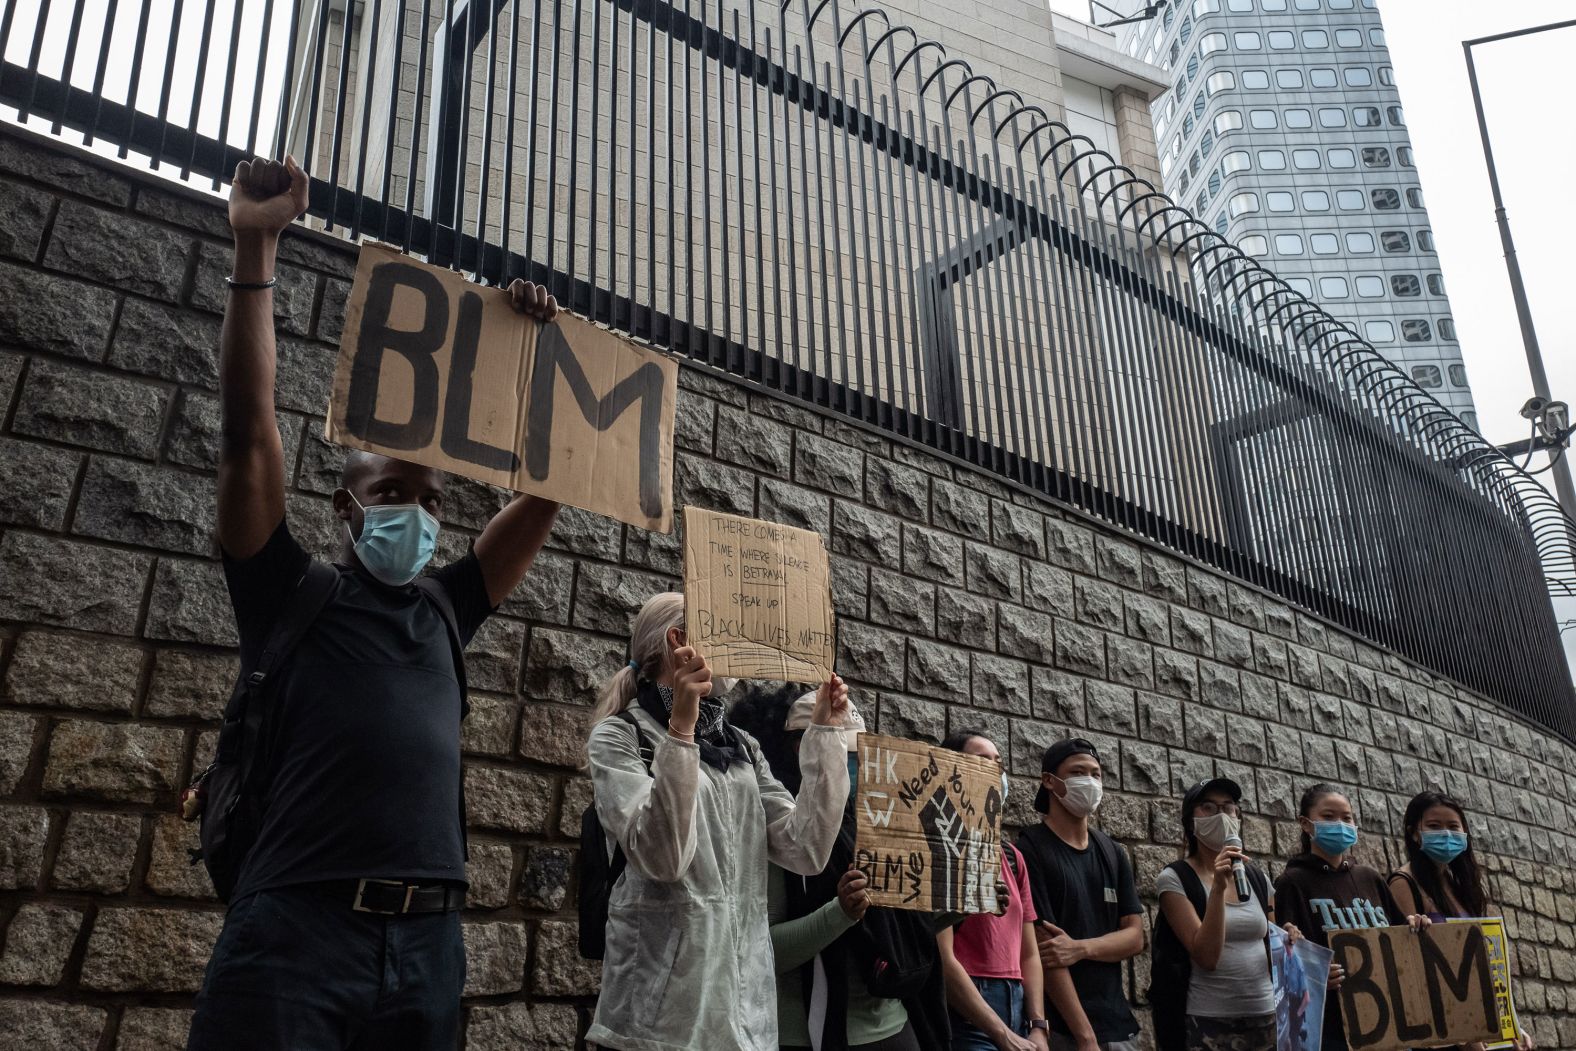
(440, 598)
(245, 720)
(1192, 886)
(1107, 848)
(615, 865)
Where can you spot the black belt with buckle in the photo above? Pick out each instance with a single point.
(392, 897)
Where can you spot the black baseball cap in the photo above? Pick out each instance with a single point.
(1191, 797)
(1054, 757)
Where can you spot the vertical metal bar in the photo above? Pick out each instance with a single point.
(134, 78)
(194, 115)
(781, 69)
(628, 323)
(969, 361)
(105, 44)
(506, 264)
(339, 116)
(993, 390)
(854, 388)
(390, 122)
(164, 90)
(903, 227)
(668, 115)
(805, 369)
(482, 196)
(251, 143)
(1058, 337)
(1068, 391)
(596, 154)
(651, 180)
(916, 224)
(550, 249)
(760, 228)
(1024, 316)
(829, 374)
(836, 388)
(417, 105)
(869, 189)
(720, 355)
(229, 86)
(868, 395)
(810, 388)
(573, 195)
(705, 164)
(889, 346)
(689, 183)
(468, 43)
(742, 264)
(73, 35)
(528, 205)
(771, 169)
(366, 82)
(825, 172)
(282, 122)
(1003, 356)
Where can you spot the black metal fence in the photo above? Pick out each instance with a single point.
(813, 197)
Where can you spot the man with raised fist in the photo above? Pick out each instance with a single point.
(343, 859)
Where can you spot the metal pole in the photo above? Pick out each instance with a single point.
(1529, 337)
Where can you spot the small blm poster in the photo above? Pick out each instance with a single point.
(757, 597)
(928, 826)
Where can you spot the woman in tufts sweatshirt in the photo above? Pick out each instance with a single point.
(1323, 890)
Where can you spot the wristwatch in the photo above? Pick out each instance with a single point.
(1039, 1023)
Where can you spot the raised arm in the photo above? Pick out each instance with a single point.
(266, 197)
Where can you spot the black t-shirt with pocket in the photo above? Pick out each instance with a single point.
(1075, 890)
(364, 735)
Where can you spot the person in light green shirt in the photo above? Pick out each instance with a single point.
(820, 953)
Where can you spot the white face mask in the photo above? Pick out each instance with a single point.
(1004, 787)
(1083, 795)
(1213, 831)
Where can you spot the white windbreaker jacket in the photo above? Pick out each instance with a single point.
(689, 955)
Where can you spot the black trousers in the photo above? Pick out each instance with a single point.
(298, 970)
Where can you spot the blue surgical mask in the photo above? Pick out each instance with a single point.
(853, 774)
(1443, 845)
(396, 542)
(1334, 837)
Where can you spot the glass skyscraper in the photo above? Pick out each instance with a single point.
(1284, 132)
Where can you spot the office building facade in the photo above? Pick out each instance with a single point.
(1284, 131)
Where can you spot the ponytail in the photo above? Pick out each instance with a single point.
(648, 647)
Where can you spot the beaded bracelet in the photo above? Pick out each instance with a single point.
(251, 286)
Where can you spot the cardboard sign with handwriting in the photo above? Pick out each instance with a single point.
(928, 826)
(1431, 988)
(441, 371)
(757, 597)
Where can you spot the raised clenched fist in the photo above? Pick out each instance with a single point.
(267, 196)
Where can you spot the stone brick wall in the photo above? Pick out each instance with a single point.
(962, 602)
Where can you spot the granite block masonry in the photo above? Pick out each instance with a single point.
(962, 601)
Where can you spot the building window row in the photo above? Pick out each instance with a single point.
(1298, 118)
(1201, 8)
(1355, 242)
(1382, 199)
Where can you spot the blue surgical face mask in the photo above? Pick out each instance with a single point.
(396, 542)
(1334, 837)
(853, 774)
(1443, 845)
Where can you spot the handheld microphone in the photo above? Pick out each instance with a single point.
(1239, 870)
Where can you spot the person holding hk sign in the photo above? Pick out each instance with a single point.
(687, 960)
(1324, 890)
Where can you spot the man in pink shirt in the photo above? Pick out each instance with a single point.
(991, 963)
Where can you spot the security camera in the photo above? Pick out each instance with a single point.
(1534, 408)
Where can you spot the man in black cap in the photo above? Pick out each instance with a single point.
(1090, 919)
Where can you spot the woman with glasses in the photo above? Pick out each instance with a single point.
(1212, 989)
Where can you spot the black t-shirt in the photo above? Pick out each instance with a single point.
(1070, 890)
(364, 735)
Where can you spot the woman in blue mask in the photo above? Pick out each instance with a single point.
(1441, 876)
(1323, 889)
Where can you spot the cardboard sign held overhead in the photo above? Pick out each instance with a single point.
(757, 597)
(928, 826)
(441, 371)
(1432, 988)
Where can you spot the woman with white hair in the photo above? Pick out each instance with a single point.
(687, 923)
